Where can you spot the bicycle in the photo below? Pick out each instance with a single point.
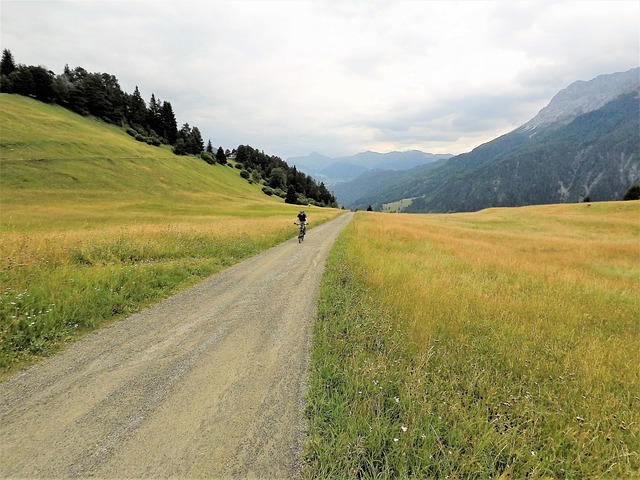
(302, 231)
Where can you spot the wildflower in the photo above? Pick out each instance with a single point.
(404, 429)
(396, 399)
(396, 439)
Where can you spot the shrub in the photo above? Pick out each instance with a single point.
(208, 157)
(633, 193)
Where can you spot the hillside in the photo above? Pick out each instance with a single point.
(52, 157)
(585, 143)
(99, 95)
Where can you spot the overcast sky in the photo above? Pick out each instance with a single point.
(337, 77)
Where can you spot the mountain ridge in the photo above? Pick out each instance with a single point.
(584, 143)
(584, 96)
(335, 170)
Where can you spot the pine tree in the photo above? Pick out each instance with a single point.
(154, 115)
(197, 143)
(183, 142)
(169, 124)
(221, 158)
(7, 65)
(98, 103)
(291, 195)
(137, 111)
(116, 98)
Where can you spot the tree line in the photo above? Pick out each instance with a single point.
(278, 178)
(100, 95)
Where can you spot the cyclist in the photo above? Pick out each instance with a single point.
(302, 219)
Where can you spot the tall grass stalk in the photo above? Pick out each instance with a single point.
(504, 342)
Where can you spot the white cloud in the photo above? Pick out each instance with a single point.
(291, 77)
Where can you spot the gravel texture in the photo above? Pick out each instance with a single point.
(207, 384)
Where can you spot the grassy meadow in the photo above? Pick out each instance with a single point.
(95, 226)
(498, 344)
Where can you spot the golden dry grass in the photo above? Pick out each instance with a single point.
(500, 341)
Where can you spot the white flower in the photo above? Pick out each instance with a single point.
(395, 439)
(396, 399)
(404, 429)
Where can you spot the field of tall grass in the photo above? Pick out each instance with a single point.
(503, 343)
(95, 226)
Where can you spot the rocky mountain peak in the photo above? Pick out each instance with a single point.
(581, 97)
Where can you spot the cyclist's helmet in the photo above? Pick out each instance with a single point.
(301, 211)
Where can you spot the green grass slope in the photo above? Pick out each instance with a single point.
(95, 225)
(51, 156)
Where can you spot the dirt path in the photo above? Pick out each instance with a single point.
(207, 384)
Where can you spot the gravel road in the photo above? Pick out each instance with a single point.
(207, 384)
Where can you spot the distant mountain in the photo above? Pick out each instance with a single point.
(585, 143)
(376, 187)
(333, 171)
(341, 172)
(583, 97)
(312, 162)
